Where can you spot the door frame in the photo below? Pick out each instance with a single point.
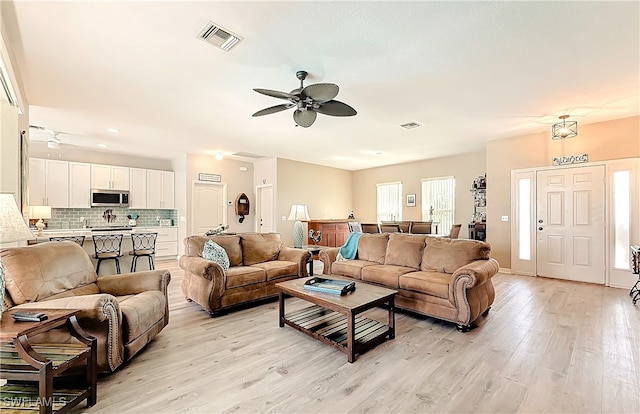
(259, 205)
(621, 278)
(193, 204)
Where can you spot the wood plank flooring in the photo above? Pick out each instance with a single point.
(546, 346)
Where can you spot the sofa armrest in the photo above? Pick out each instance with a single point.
(328, 256)
(203, 268)
(476, 273)
(299, 256)
(98, 307)
(132, 283)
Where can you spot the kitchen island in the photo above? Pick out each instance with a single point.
(166, 243)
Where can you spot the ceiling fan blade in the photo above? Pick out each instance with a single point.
(277, 94)
(321, 92)
(336, 108)
(273, 109)
(304, 118)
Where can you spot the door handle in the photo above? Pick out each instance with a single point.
(540, 228)
(540, 221)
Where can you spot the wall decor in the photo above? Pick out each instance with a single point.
(216, 178)
(571, 159)
(411, 200)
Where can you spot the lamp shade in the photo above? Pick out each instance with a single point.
(299, 212)
(12, 225)
(40, 212)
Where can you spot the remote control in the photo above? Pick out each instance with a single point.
(29, 316)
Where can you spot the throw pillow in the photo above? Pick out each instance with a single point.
(214, 252)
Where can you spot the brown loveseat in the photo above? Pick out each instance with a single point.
(444, 278)
(124, 312)
(257, 262)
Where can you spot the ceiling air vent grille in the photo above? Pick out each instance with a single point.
(410, 125)
(218, 36)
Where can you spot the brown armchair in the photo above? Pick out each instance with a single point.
(124, 312)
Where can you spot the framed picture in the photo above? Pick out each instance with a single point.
(411, 200)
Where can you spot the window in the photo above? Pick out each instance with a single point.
(389, 205)
(524, 219)
(438, 201)
(621, 218)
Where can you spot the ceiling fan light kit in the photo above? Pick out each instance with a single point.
(564, 129)
(309, 101)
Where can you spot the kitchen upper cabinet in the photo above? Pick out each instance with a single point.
(109, 177)
(137, 188)
(48, 183)
(160, 189)
(79, 185)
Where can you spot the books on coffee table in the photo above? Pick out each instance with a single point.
(332, 286)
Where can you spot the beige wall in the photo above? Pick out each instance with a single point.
(602, 141)
(237, 182)
(326, 191)
(465, 168)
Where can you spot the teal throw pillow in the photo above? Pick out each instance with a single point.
(214, 252)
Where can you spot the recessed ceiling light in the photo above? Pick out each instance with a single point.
(218, 156)
(102, 145)
(113, 130)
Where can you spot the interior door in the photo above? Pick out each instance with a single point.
(208, 202)
(264, 200)
(570, 227)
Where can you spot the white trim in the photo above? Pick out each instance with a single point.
(225, 220)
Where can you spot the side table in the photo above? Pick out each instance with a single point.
(314, 249)
(24, 362)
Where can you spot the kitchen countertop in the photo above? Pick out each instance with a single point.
(96, 230)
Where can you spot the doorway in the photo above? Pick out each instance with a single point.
(264, 209)
(208, 202)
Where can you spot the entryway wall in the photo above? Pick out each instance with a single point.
(620, 208)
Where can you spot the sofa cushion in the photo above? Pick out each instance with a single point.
(430, 283)
(244, 275)
(405, 250)
(278, 268)
(194, 245)
(45, 269)
(140, 312)
(214, 252)
(373, 247)
(260, 247)
(350, 268)
(386, 275)
(448, 255)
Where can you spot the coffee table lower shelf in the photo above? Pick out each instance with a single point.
(331, 328)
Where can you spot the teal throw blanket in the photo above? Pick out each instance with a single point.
(350, 248)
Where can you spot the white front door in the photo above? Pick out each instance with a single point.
(570, 230)
(208, 207)
(264, 200)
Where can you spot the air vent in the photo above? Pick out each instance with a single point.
(247, 155)
(410, 125)
(218, 36)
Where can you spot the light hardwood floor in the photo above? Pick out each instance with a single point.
(546, 346)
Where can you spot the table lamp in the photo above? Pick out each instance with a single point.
(298, 212)
(40, 212)
(13, 229)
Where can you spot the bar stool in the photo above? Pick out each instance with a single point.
(75, 239)
(144, 244)
(107, 247)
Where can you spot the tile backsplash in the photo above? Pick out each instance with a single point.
(70, 218)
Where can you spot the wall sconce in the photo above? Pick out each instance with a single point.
(564, 129)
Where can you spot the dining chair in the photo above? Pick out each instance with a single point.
(370, 228)
(354, 227)
(390, 228)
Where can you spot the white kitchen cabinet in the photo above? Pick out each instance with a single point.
(166, 241)
(79, 185)
(109, 177)
(160, 189)
(48, 183)
(137, 188)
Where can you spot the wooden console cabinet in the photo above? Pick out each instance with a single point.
(334, 232)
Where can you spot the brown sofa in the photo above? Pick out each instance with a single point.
(257, 262)
(124, 312)
(449, 279)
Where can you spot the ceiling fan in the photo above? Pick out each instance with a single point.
(44, 134)
(308, 101)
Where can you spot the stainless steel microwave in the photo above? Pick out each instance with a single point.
(109, 198)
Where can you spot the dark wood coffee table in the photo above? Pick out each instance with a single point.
(334, 320)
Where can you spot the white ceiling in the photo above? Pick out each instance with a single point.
(469, 72)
